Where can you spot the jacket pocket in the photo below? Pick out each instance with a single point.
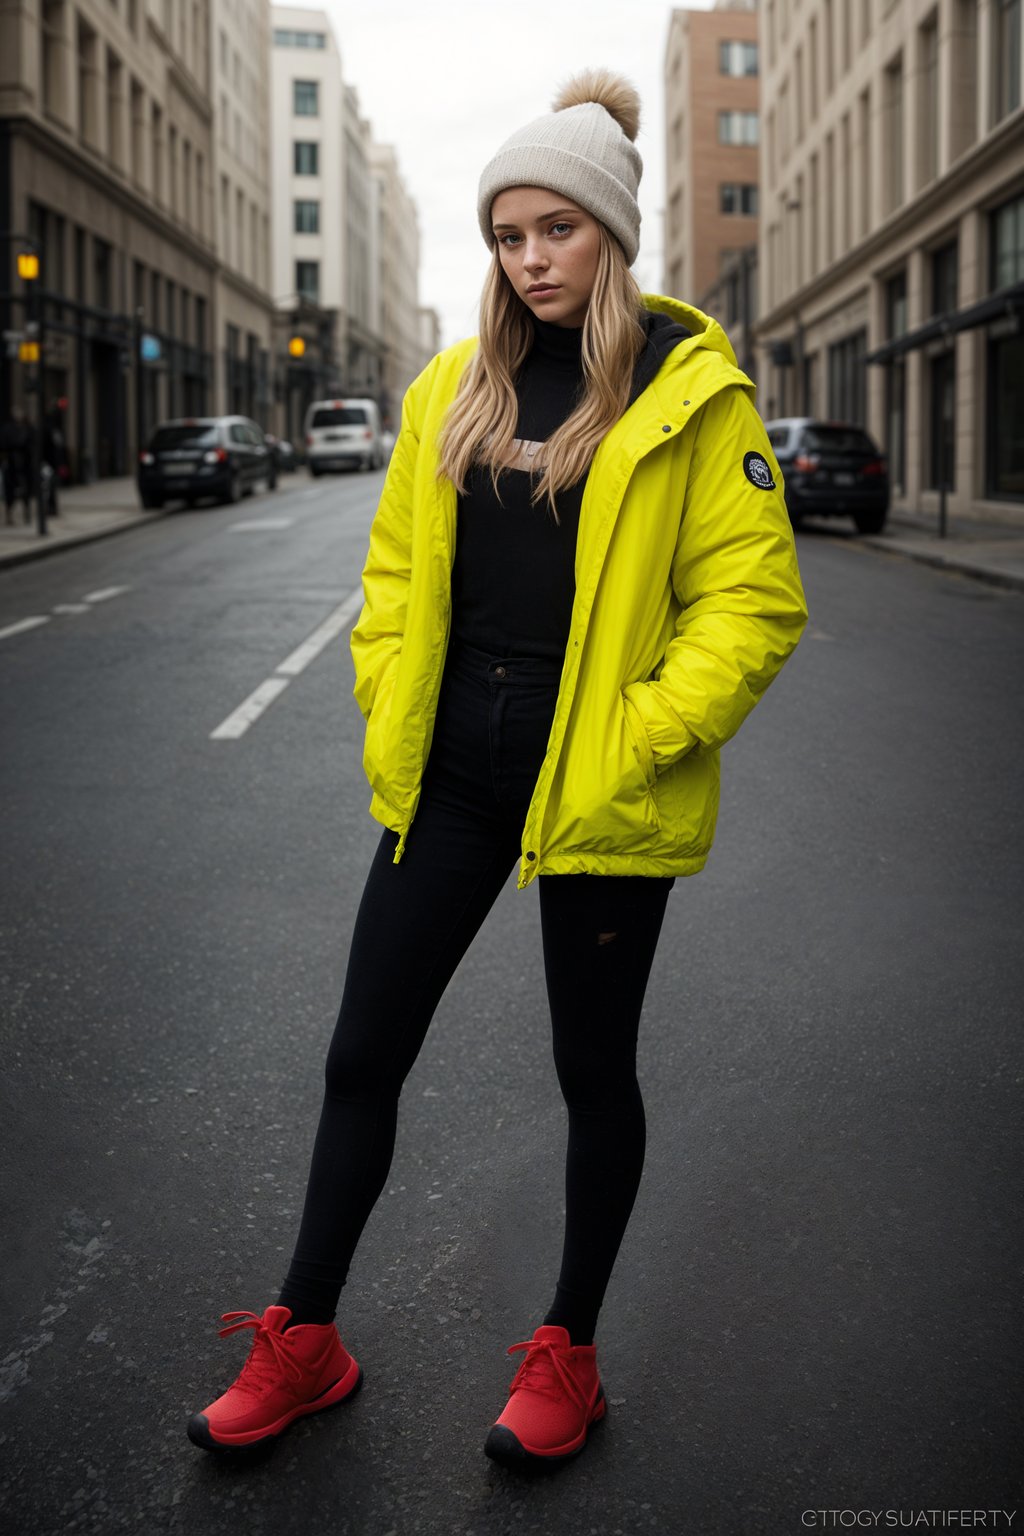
(378, 749)
(637, 733)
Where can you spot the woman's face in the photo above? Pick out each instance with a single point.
(549, 249)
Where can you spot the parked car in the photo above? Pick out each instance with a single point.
(831, 469)
(196, 457)
(284, 453)
(341, 433)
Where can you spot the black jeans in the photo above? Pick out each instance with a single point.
(416, 921)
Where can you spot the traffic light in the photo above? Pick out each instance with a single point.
(296, 346)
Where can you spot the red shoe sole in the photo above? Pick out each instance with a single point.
(200, 1433)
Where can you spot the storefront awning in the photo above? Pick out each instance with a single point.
(1009, 301)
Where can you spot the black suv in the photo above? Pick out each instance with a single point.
(204, 456)
(831, 469)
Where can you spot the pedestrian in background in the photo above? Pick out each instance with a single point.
(581, 579)
(16, 446)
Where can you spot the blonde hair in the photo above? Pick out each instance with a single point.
(480, 427)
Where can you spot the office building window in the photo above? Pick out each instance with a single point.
(847, 393)
(1007, 244)
(737, 128)
(896, 383)
(283, 38)
(307, 280)
(942, 391)
(737, 197)
(307, 158)
(944, 279)
(1005, 448)
(307, 218)
(737, 58)
(306, 98)
(893, 105)
(1006, 32)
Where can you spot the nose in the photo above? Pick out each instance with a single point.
(535, 258)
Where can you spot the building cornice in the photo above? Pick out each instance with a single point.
(878, 246)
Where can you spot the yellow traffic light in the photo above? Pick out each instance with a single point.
(296, 346)
(28, 351)
(28, 266)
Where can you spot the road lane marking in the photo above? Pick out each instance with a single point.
(258, 525)
(72, 608)
(329, 630)
(102, 595)
(23, 624)
(250, 710)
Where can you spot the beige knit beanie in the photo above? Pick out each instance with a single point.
(584, 149)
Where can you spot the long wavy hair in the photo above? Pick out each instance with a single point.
(480, 427)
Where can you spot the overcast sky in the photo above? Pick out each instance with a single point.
(447, 82)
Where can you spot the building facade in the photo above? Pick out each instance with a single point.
(892, 237)
(243, 311)
(711, 145)
(105, 163)
(398, 262)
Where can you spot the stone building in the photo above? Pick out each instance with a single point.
(892, 236)
(398, 259)
(106, 154)
(242, 325)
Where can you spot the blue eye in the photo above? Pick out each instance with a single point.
(507, 239)
(561, 225)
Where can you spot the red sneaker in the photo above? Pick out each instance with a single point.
(556, 1397)
(286, 1376)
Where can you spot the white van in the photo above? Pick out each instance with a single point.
(340, 433)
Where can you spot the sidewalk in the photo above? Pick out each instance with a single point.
(87, 512)
(992, 552)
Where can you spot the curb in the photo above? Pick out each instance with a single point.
(994, 575)
(44, 548)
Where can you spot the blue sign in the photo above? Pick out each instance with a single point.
(149, 347)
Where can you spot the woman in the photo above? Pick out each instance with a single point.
(581, 578)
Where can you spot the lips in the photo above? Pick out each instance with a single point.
(543, 288)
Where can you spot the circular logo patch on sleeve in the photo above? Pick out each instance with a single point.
(758, 471)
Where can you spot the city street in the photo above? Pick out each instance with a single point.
(817, 1306)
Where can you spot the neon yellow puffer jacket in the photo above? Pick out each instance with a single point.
(688, 601)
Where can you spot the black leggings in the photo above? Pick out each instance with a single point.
(416, 921)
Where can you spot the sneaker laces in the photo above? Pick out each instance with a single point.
(261, 1367)
(536, 1371)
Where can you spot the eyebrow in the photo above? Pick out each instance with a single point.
(541, 218)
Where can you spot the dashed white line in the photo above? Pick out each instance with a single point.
(102, 595)
(23, 624)
(261, 524)
(72, 608)
(250, 710)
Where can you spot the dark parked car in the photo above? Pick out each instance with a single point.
(223, 457)
(831, 469)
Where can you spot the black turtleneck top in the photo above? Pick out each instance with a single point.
(513, 580)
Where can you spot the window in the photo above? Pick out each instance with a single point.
(847, 394)
(306, 98)
(896, 383)
(928, 101)
(1007, 244)
(737, 58)
(893, 103)
(286, 39)
(944, 279)
(942, 458)
(1005, 456)
(737, 128)
(307, 158)
(307, 280)
(1006, 97)
(307, 218)
(101, 252)
(738, 197)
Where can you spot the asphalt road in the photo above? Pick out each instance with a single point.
(817, 1307)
